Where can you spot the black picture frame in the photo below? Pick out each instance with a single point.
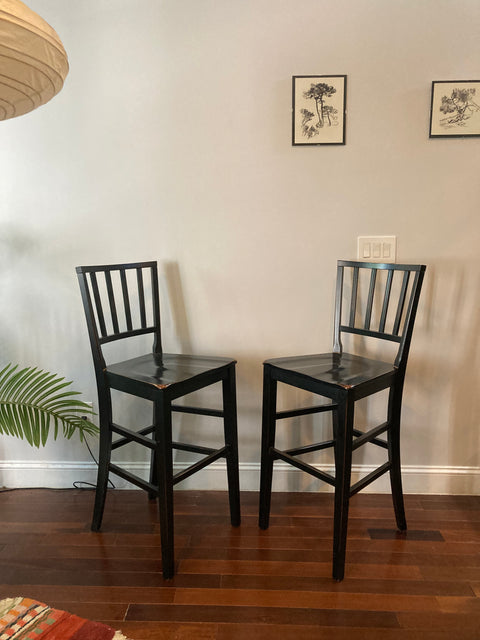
(319, 110)
(455, 109)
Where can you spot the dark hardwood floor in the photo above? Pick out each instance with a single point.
(244, 582)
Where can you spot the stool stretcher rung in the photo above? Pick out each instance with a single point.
(361, 484)
(310, 448)
(132, 436)
(186, 473)
(193, 448)
(200, 411)
(130, 477)
(370, 436)
(303, 466)
(280, 415)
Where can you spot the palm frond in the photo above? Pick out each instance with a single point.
(31, 400)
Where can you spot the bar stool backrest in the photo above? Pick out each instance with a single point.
(392, 295)
(120, 301)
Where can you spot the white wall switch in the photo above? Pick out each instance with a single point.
(377, 248)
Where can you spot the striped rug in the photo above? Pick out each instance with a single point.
(26, 619)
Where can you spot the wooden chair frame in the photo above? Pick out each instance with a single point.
(344, 379)
(164, 378)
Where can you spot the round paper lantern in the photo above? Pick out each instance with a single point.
(33, 62)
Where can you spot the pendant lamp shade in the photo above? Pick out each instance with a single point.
(33, 62)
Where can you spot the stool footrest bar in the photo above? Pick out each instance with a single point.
(183, 475)
(280, 415)
(361, 484)
(303, 466)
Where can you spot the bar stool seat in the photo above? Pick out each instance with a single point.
(342, 369)
(153, 371)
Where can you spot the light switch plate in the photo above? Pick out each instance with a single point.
(377, 248)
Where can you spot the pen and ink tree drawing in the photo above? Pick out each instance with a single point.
(455, 109)
(326, 114)
(458, 107)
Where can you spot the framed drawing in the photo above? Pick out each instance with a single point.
(318, 109)
(455, 109)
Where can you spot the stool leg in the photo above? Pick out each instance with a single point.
(153, 467)
(231, 441)
(268, 441)
(164, 464)
(394, 411)
(343, 427)
(104, 455)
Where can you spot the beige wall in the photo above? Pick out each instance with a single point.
(171, 141)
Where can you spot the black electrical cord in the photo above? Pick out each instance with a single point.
(89, 485)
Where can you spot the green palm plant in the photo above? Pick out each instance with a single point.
(32, 400)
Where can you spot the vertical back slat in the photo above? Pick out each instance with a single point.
(371, 292)
(111, 301)
(386, 300)
(141, 298)
(402, 354)
(98, 304)
(157, 344)
(353, 300)
(337, 344)
(126, 300)
(401, 303)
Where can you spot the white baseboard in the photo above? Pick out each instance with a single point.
(60, 475)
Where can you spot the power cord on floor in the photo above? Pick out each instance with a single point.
(89, 485)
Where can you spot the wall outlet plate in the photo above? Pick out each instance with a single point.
(88, 417)
(377, 248)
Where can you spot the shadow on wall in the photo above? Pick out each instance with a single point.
(173, 303)
(176, 331)
(464, 439)
(16, 249)
(37, 313)
(249, 377)
(445, 378)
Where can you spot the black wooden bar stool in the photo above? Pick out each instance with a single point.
(392, 293)
(122, 301)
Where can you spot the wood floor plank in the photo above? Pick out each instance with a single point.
(307, 599)
(99, 611)
(461, 534)
(450, 604)
(147, 630)
(305, 569)
(86, 594)
(41, 562)
(258, 541)
(435, 503)
(43, 527)
(450, 573)
(265, 615)
(238, 631)
(311, 542)
(314, 555)
(373, 586)
(422, 534)
(106, 553)
(24, 575)
(439, 621)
